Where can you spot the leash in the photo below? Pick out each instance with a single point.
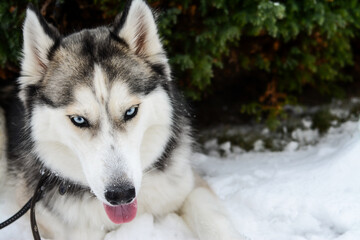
(36, 197)
(30, 205)
(17, 215)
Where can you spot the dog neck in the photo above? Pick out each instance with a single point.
(57, 183)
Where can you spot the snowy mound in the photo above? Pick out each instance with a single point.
(312, 193)
(307, 194)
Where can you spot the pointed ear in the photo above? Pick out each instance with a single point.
(39, 38)
(137, 27)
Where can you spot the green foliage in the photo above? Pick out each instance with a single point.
(291, 44)
(296, 44)
(10, 38)
(322, 121)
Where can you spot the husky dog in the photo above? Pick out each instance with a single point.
(98, 111)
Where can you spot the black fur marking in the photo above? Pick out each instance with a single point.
(120, 21)
(47, 101)
(88, 46)
(116, 38)
(50, 31)
(8, 88)
(163, 162)
(148, 85)
(53, 49)
(144, 86)
(15, 122)
(158, 68)
(33, 94)
(165, 86)
(98, 51)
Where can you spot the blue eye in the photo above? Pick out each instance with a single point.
(79, 121)
(131, 112)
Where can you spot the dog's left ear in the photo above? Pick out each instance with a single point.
(39, 38)
(137, 27)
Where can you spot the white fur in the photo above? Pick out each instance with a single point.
(59, 157)
(100, 83)
(157, 130)
(206, 216)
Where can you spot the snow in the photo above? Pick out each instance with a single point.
(307, 194)
(340, 113)
(304, 137)
(259, 145)
(302, 193)
(291, 146)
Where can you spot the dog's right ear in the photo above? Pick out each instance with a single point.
(137, 27)
(39, 38)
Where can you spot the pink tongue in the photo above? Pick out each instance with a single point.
(121, 213)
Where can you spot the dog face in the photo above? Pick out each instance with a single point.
(97, 100)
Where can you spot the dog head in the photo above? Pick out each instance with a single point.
(98, 100)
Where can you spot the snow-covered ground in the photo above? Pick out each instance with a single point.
(311, 192)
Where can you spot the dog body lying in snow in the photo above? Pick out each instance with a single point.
(98, 112)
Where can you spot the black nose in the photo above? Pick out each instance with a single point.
(117, 195)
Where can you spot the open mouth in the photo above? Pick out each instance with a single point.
(122, 213)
